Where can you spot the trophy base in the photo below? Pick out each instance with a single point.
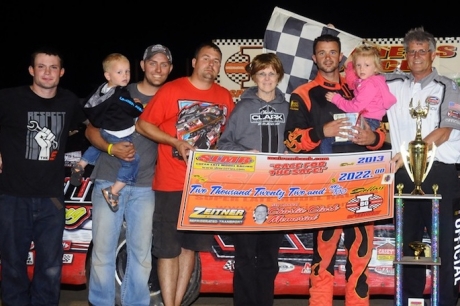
(423, 261)
(417, 191)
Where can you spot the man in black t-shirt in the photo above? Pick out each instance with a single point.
(35, 122)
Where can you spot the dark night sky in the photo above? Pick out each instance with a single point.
(87, 33)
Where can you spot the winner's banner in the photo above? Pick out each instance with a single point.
(244, 191)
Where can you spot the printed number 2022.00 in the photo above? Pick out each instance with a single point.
(355, 175)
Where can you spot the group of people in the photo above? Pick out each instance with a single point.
(140, 149)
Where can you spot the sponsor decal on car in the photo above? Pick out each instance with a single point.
(229, 265)
(67, 258)
(385, 270)
(306, 268)
(386, 252)
(285, 267)
(66, 245)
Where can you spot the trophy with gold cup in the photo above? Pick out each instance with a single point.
(418, 159)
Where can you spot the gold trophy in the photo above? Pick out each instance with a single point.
(418, 248)
(418, 159)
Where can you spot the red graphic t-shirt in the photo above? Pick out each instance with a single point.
(185, 112)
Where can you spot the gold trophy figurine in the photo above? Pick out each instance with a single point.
(418, 159)
(418, 248)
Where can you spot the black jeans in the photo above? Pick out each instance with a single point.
(256, 267)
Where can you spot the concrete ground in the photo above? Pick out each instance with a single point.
(78, 296)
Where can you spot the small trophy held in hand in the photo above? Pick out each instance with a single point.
(418, 159)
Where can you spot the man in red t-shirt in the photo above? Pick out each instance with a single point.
(185, 114)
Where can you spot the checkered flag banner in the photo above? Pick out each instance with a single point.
(291, 37)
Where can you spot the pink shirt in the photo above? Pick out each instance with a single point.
(372, 97)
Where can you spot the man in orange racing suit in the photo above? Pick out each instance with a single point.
(310, 120)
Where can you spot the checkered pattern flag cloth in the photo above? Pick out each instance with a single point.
(291, 37)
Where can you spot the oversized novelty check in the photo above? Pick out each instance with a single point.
(244, 191)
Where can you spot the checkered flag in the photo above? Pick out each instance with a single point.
(291, 37)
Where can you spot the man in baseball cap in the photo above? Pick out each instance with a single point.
(152, 50)
(156, 66)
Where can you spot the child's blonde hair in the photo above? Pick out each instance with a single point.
(368, 51)
(113, 57)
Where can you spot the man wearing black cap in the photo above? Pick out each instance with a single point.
(136, 204)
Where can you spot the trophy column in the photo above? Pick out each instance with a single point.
(434, 261)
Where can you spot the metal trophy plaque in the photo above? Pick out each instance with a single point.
(418, 159)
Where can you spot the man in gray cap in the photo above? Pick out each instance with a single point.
(155, 49)
(136, 203)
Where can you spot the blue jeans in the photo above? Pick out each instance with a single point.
(23, 220)
(326, 144)
(129, 169)
(136, 208)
